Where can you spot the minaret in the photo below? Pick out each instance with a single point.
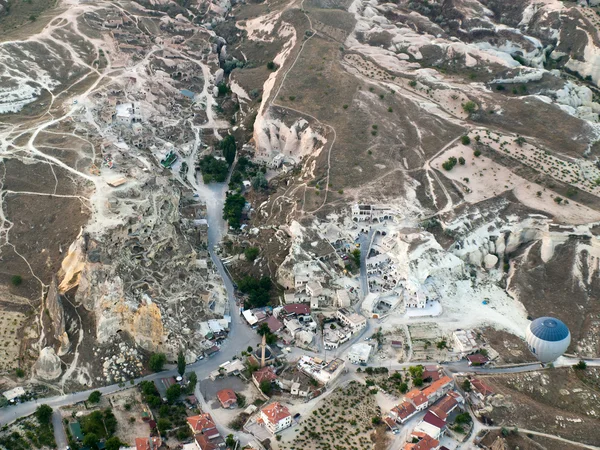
(262, 346)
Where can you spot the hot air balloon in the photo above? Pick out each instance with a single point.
(547, 338)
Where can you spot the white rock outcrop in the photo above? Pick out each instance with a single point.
(48, 365)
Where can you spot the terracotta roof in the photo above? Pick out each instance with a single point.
(416, 397)
(226, 395)
(266, 373)
(275, 412)
(434, 420)
(297, 308)
(436, 386)
(481, 387)
(431, 372)
(204, 443)
(478, 358)
(426, 443)
(390, 422)
(201, 422)
(274, 324)
(404, 410)
(144, 443)
(444, 406)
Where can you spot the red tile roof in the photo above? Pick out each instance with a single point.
(426, 442)
(390, 423)
(481, 387)
(274, 324)
(226, 397)
(442, 408)
(434, 420)
(145, 443)
(478, 358)
(436, 386)
(297, 308)
(204, 443)
(431, 372)
(275, 412)
(266, 373)
(201, 423)
(416, 397)
(404, 410)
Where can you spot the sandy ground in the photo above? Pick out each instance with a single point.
(487, 179)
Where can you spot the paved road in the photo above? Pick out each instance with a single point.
(59, 430)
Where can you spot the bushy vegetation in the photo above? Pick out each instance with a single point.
(33, 435)
(466, 140)
(95, 397)
(258, 290)
(232, 210)
(450, 163)
(157, 361)
(469, 107)
(229, 148)
(213, 169)
(16, 280)
(251, 253)
(244, 170)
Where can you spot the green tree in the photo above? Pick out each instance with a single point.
(43, 414)
(95, 397)
(90, 440)
(461, 161)
(114, 443)
(157, 362)
(266, 387)
(181, 362)
(163, 425)
(581, 365)
(466, 385)
(213, 169)
(469, 107)
(230, 441)
(271, 65)
(251, 253)
(259, 182)
(356, 256)
(16, 280)
(232, 210)
(19, 372)
(466, 140)
(229, 148)
(403, 388)
(173, 393)
(520, 141)
(192, 381)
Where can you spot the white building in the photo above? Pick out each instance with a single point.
(14, 393)
(342, 298)
(314, 289)
(128, 113)
(277, 161)
(276, 417)
(351, 319)
(323, 372)
(359, 353)
(464, 341)
(362, 213)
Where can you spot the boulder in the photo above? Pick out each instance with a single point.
(48, 365)
(490, 261)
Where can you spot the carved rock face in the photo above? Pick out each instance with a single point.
(48, 365)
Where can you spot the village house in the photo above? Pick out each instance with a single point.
(477, 359)
(351, 319)
(276, 417)
(342, 298)
(203, 424)
(322, 371)
(403, 412)
(437, 389)
(151, 443)
(367, 213)
(264, 374)
(431, 425)
(480, 389)
(417, 398)
(424, 442)
(227, 398)
(464, 341)
(360, 353)
(446, 405)
(203, 443)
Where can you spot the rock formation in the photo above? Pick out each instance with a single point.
(48, 365)
(57, 314)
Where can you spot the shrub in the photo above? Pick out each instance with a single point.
(19, 372)
(345, 106)
(466, 140)
(157, 362)
(461, 161)
(450, 163)
(466, 385)
(477, 153)
(390, 109)
(558, 200)
(271, 65)
(520, 141)
(266, 387)
(500, 87)
(223, 89)
(43, 414)
(95, 397)
(581, 365)
(16, 280)
(251, 253)
(292, 98)
(469, 107)
(412, 83)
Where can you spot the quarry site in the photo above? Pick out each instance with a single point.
(299, 224)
